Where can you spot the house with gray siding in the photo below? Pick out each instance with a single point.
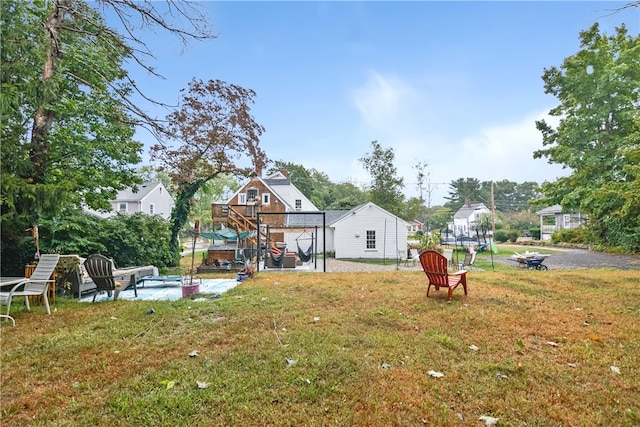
(151, 198)
(555, 218)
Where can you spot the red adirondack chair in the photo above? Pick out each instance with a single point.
(435, 266)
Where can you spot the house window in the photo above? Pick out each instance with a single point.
(122, 207)
(161, 191)
(252, 194)
(242, 199)
(371, 239)
(266, 198)
(298, 204)
(152, 209)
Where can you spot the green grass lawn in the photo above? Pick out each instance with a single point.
(530, 348)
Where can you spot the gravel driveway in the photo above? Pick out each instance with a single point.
(569, 259)
(563, 259)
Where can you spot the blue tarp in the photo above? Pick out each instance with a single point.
(225, 234)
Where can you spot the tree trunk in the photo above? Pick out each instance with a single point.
(44, 116)
(180, 214)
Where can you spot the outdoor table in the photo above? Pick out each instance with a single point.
(133, 273)
(6, 281)
(10, 281)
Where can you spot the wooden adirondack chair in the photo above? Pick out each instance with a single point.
(435, 266)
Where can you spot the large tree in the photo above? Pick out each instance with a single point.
(346, 195)
(510, 196)
(466, 189)
(597, 135)
(212, 134)
(69, 108)
(386, 186)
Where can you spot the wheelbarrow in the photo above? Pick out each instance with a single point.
(536, 264)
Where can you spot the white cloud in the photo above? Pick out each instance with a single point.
(492, 153)
(381, 100)
(506, 152)
(420, 126)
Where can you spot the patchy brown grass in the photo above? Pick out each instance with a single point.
(362, 343)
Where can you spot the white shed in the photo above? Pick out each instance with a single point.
(368, 231)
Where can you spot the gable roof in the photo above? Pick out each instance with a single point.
(361, 207)
(550, 210)
(272, 182)
(467, 209)
(277, 178)
(331, 216)
(248, 183)
(314, 219)
(137, 193)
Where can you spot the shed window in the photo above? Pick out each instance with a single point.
(371, 239)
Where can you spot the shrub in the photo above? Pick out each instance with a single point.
(512, 235)
(501, 236)
(535, 233)
(137, 239)
(429, 241)
(570, 235)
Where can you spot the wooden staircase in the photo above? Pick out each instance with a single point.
(232, 216)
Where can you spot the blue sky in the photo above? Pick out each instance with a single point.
(454, 84)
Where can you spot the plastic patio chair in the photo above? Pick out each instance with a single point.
(36, 285)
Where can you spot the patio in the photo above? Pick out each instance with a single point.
(167, 291)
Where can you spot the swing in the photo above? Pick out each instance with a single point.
(305, 256)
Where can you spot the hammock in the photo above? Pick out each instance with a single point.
(276, 260)
(304, 256)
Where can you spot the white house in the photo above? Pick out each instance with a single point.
(151, 198)
(553, 219)
(467, 218)
(368, 231)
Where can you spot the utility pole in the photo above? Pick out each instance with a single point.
(493, 214)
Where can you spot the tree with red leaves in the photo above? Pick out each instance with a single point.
(212, 134)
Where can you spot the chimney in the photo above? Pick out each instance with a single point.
(284, 172)
(467, 203)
